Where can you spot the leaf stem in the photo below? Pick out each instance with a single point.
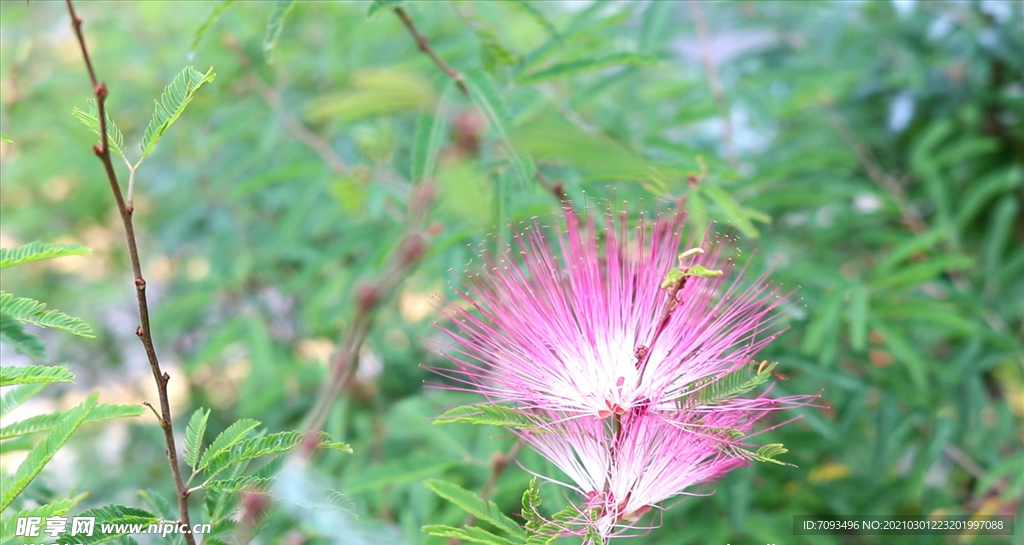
(144, 331)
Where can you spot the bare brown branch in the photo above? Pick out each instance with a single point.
(144, 331)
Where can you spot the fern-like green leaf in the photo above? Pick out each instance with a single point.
(572, 68)
(53, 509)
(275, 24)
(741, 381)
(238, 484)
(194, 436)
(44, 422)
(257, 447)
(531, 502)
(35, 251)
(541, 531)
(158, 503)
(537, 15)
(207, 23)
(485, 94)
(33, 312)
(41, 454)
(333, 500)
(91, 120)
(34, 374)
(231, 435)
(476, 506)
(430, 135)
(14, 397)
(12, 333)
(547, 532)
(471, 534)
(766, 453)
(119, 516)
(490, 415)
(172, 103)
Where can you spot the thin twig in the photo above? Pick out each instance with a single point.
(556, 189)
(424, 45)
(714, 83)
(369, 298)
(296, 127)
(144, 331)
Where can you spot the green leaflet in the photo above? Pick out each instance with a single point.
(14, 397)
(34, 374)
(537, 15)
(215, 14)
(33, 312)
(53, 509)
(541, 531)
(238, 484)
(430, 136)
(194, 436)
(857, 313)
(476, 506)
(741, 381)
(743, 218)
(917, 273)
(35, 251)
(485, 94)
(111, 514)
(572, 68)
(490, 415)
(91, 119)
(172, 103)
(41, 454)
(257, 447)
(45, 422)
(470, 534)
(275, 24)
(766, 453)
(12, 332)
(231, 435)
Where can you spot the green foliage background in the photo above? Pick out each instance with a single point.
(875, 159)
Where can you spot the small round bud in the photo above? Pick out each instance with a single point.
(367, 297)
(413, 248)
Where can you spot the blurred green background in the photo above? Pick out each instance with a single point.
(871, 153)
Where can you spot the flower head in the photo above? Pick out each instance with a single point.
(628, 354)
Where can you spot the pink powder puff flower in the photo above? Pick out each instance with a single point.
(628, 355)
(592, 333)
